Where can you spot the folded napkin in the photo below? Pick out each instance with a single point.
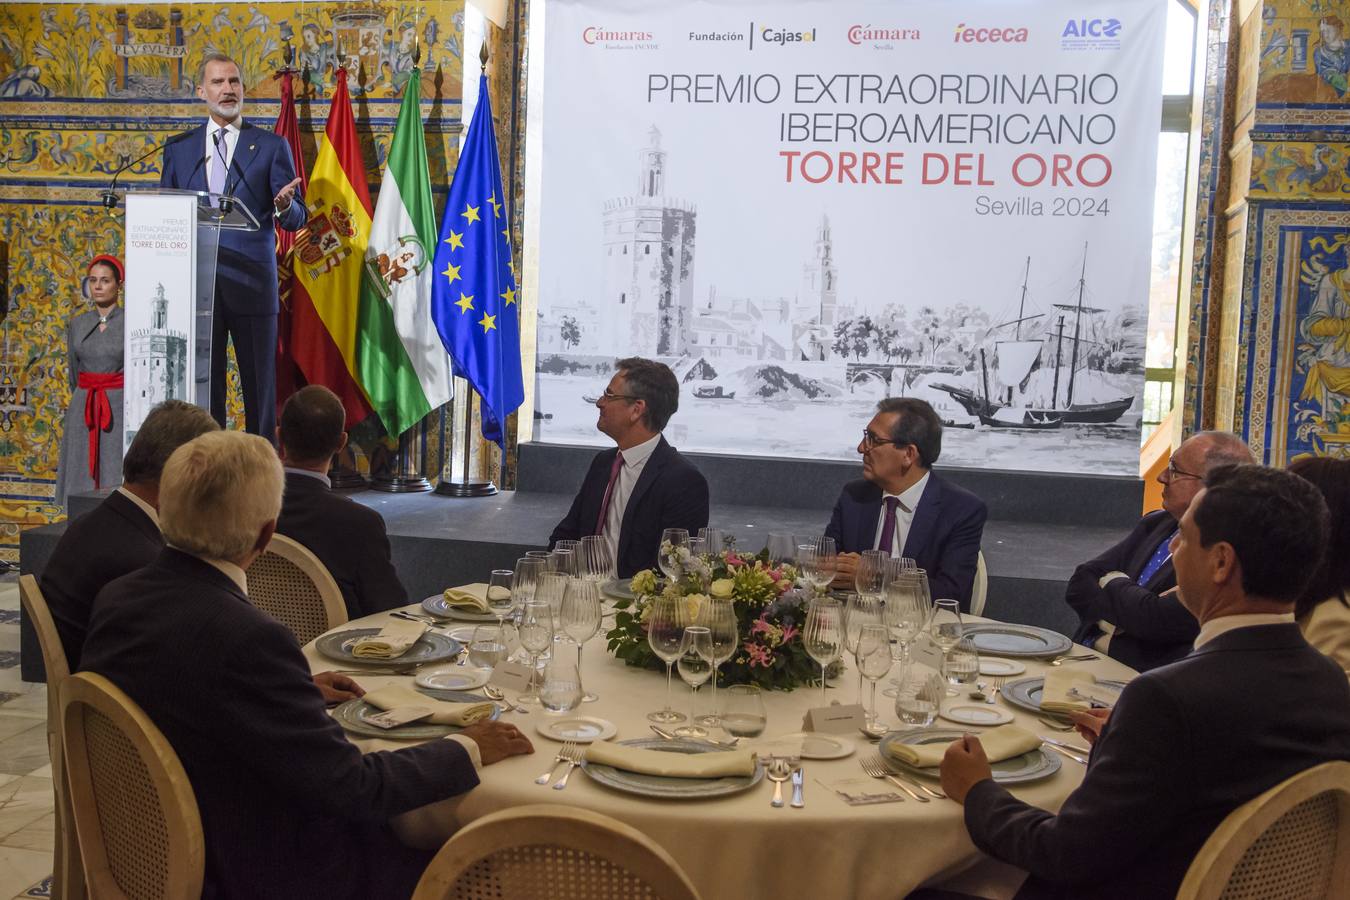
(397, 696)
(392, 641)
(999, 744)
(1055, 697)
(672, 765)
(472, 597)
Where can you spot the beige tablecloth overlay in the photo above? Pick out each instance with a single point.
(739, 846)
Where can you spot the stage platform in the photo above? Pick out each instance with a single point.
(1040, 526)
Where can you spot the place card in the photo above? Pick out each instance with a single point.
(925, 652)
(511, 676)
(392, 718)
(836, 718)
(861, 792)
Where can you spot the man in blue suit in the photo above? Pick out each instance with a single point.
(901, 506)
(227, 155)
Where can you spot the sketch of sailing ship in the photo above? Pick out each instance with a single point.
(1018, 359)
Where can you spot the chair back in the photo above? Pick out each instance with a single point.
(289, 583)
(135, 813)
(559, 852)
(1290, 843)
(980, 591)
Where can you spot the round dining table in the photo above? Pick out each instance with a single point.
(739, 846)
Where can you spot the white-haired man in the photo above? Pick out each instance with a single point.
(290, 808)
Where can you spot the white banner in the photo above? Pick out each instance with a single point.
(805, 207)
(161, 263)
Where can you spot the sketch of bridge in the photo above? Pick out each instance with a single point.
(906, 374)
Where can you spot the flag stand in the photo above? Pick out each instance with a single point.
(405, 479)
(344, 479)
(465, 486)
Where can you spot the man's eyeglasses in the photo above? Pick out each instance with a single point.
(609, 396)
(1172, 473)
(871, 441)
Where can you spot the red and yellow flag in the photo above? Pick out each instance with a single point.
(329, 254)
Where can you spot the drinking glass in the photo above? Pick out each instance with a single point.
(500, 599)
(963, 665)
(550, 589)
(524, 579)
(714, 542)
(664, 636)
(859, 610)
(906, 615)
(488, 646)
(594, 560)
(870, 578)
(720, 618)
(536, 636)
(696, 666)
(581, 618)
(674, 552)
(561, 690)
(562, 560)
(919, 696)
(873, 654)
(537, 554)
(946, 629)
(782, 548)
(743, 712)
(823, 635)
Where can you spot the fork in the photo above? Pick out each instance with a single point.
(992, 695)
(778, 772)
(560, 758)
(1080, 657)
(871, 765)
(572, 751)
(912, 782)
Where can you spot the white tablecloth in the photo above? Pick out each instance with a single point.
(739, 846)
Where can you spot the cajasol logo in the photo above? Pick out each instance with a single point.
(783, 36)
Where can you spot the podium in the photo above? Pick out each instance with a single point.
(172, 240)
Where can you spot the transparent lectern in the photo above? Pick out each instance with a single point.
(172, 238)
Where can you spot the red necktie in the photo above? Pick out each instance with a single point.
(609, 492)
(888, 527)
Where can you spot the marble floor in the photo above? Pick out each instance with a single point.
(26, 818)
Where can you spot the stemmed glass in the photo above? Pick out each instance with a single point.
(818, 562)
(550, 589)
(946, 630)
(906, 614)
(594, 561)
(674, 552)
(538, 554)
(563, 559)
(720, 618)
(860, 610)
(501, 600)
(664, 636)
(873, 655)
(581, 618)
(714, 541)
(696, 667)
(872, 574)
(536, 636)
(823, 635)
(524, 579)
(782, 548)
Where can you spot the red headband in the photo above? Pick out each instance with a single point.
(112, 261)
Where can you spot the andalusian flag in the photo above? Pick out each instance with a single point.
(329, 254)
(400, 361)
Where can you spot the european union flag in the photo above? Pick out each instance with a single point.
(473, 294)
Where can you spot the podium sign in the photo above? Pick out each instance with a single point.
(161, 305)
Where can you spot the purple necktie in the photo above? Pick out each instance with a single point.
(888, 527)
(216, 176)
(609, 492)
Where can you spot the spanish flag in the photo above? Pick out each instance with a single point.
(329, 255)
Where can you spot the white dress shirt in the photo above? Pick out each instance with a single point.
(904, 515)
(634, 461)
(141, 505)
(1224, 624)
(228, 142)
(292, 470)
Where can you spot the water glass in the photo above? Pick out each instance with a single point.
(488, 646)
(873, 655)
(536, 636)
(696, 667)
(538, 554)
(720, 618)
(550, 589)
(823, 635)
(580, 617)
(859, 610)
(562, 560)
(743, 713)
(946, 628)
(500, 600)
(818, 561)
(561, 690)
(782, 548)
(870, 578)
(714, 542)
(524, 578)
(919, 696)
(594, 559)
(963, 665)
(665, 635)
(673, 556)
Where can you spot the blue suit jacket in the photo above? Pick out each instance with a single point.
(944, 538)
(246, 266)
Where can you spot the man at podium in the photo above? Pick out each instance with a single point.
(226, 155)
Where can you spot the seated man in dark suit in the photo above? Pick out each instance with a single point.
(644, 486)
(901, 506)
(1126, 598)
(348, 538)
(290, 808)
(121, 534)
(1187, 743)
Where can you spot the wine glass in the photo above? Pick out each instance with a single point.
(906, 615)
(714, 541)
(488, 646)
(550, 589)
(782, 548)
(562, 560)
(594, 559)
(538, 554)
(536, 636)
(696, 666)
(581, 618)
(946, 629)
(870, 578)
(818, 561)
(500, 598)
(823, 635)
(664, 636)
(859, 610)
(674, 553)
(524, 579)
(743, 714)
(561, 690)
(720, 618)
(873, 655)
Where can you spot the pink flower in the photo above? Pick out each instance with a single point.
(760, 626)
(775, 575)
(789, 631)
(734, 560)
(759, 655)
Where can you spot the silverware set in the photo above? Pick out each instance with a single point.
(1062, 751)
(672, 736)
(569, 755)
(780, 770)
(500, 696)
(876, 767)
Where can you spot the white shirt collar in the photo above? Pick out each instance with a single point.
(909, 498)
(1224, 624)
(141, 505)
(291, 470)
(231, 128)
(230, 571)
(638, 453)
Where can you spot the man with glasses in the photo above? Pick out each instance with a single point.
(1126, 598)
(643, 486)
(902, 507)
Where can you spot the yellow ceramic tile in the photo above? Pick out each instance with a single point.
(40, 835)
(22, 803)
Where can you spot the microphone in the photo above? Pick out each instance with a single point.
(109, 196)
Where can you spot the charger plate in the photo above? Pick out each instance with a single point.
(671, 788)
(352, 717)
(438, 607)
(430, 647)
(1026, 693)
(1018, 641)
(1030, 766)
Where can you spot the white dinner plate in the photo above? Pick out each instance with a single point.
(975, 713)
(453, 678)
(816, 745)
(582, 729)
(991, 666)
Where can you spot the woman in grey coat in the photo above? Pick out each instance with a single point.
(91, 445)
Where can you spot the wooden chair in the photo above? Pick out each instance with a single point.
(67, 877)
(558, 852)
(289, 583)
(980, 592)
(140, 831)
(1290, 843)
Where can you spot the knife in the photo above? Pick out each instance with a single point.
(1067, 746)
(798, 779)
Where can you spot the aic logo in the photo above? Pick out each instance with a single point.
(859, 33)
(966, 35)
(594, 35)
(1091, 28)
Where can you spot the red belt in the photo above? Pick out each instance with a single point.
(98, 415)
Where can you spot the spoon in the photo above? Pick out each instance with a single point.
(672, 736)
(496, 694)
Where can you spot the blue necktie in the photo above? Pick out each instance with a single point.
(1156, 561)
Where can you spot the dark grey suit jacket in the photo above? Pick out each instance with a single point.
(289, 806)
(1186, 745)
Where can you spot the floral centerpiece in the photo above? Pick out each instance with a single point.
(770, 612)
